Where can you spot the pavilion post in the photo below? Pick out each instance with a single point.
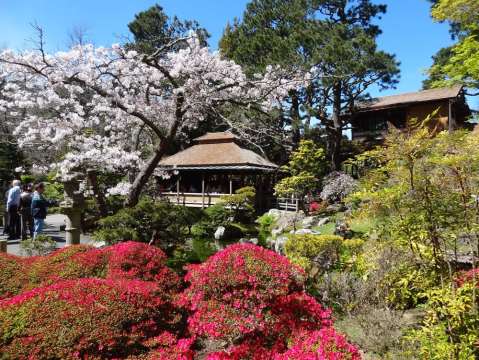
(231, 184)
(451, 120)
(202, 191)
(178, 190)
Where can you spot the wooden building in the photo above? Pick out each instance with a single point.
(372, 119)
(212, 168)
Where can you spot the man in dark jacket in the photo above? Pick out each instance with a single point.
(26, 211)
(39, 209)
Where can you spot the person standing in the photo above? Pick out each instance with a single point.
(39, 209)
(26, 211)
(5, 214)
(13, 204)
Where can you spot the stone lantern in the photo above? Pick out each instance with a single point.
(72, 207)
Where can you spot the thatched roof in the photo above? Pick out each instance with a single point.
(216, 151)
(408, 98)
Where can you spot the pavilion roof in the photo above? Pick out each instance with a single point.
(408, 98)
(217, 151)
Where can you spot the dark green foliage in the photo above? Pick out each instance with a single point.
(235, 213)
(10, 158)
(338, 38)
(153, 29)
(265, 226)
(440, 59)
(150, 221)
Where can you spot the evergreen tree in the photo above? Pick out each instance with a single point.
(334, 38)
(153, 29)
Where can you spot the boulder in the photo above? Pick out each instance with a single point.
(253, 241)
(279, 243)
(219, 233)
(302, 231)
(322, 221)
(285, 219)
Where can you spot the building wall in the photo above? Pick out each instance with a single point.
(364, 128)
(420, 112)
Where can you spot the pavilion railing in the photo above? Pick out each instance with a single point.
(288, 204)
(193, 199)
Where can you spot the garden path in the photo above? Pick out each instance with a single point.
(53, 223)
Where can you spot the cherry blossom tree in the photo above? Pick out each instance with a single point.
(118, 110)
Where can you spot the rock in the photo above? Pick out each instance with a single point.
(220, 231)
(334, 208)
(274, 213)
(276, 232)
(285, 219)
(308, 222)
(253, 241)
(312, 221)
(322, 221)
(303, 231)
(279, 244)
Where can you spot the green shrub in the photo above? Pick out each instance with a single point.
(241, 204)
(158, 221)
(451, 326)
(234, 212)
(407, 284)
(40, 245)
(266, 224)
(314, 251)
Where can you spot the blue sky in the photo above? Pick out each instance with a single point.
(408, 30)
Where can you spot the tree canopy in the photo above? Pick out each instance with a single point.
(336, 40)
(458, 64)
(116, 109)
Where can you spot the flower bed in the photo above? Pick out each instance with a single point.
(245, 302)
(85, 318)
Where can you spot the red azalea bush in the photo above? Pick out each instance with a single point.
(245, 302)
(468, 276)
(72, 262)
(168, 347)
(324, 344)
(231, 293)
(86, 318)
(12, 275)
(134, 260)
(252, 299)
(128, 260)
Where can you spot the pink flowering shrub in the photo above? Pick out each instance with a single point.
(134, 260)
(128, 260)
(12, 275)
(85, 318)
(253, 300)
(72, 262)
(468, 276)
(122, 301)
(168, 347)
(323, 344)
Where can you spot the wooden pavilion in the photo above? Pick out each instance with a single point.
(212, 168)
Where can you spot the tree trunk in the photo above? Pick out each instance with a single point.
(99, 196)
(144, 175)
(295, 119)
(337, 130)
